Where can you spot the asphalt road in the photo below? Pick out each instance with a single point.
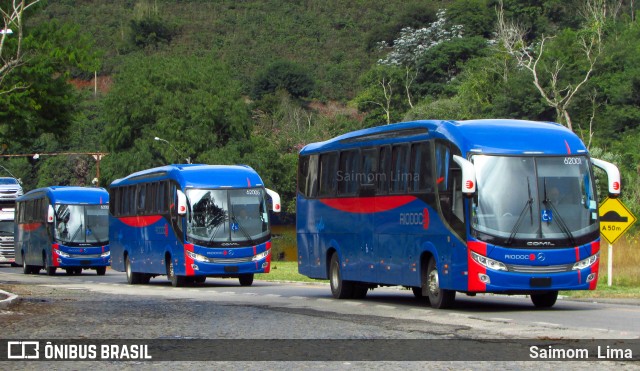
(106, 307)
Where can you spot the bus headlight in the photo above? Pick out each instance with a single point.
(105, 254)
(262, 255)
(61, 253)
(586, 263)
(488, 263)
(197, 257)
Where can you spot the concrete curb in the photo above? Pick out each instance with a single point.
(9, 298)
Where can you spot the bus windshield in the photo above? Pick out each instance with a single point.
(534, 198)
(82, 224)
(234, 216)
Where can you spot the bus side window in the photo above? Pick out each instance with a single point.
(347, 173)
(369, 169)
(308, 175)
(384, 170)
(328, 174)
(399, 169)
(421, 178)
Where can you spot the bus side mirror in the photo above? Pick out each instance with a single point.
(613, 175)
(50, 214)
(468, 175)
(182, 202)
(276, 200)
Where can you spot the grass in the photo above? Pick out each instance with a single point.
(285, 271)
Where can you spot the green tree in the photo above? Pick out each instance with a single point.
(283, 75)
(46, 102)
(191, 102)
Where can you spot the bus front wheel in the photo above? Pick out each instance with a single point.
(48, 269)
(546, 300)
(246, 279)
(439, 298)
(339, 289)
(100, 271)
(176, 281)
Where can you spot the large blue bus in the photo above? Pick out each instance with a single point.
(479, 206)
(62, 227)
(190, 222)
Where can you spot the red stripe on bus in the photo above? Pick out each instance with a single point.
(30, 227)
(474, 268)
(140, 221)
(366, 205)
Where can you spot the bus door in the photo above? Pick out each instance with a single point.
(366, 256)
(392, 237)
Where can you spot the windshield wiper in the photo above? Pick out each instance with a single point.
(529, 205)
(561, 223)
(73, 238)
(233, 218)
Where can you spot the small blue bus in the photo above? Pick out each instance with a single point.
(479, 206)
(62, 227)
(190, 222)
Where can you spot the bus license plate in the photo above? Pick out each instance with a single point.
(540, 282)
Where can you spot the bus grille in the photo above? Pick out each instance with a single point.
(85, 256)
(231, 261)
(540, 268)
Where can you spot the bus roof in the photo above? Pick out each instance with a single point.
(69, 195)
(197, 176)
(490, 136)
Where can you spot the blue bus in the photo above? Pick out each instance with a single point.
(190, 222)
(62, 227)
(479, 206)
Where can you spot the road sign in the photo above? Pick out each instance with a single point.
(615, 219)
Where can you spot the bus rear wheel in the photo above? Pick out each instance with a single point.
(339, 289)
(27, 269)
(546, 300)
(132, 277)
(176, 281)
(246, 279)
(439, 298)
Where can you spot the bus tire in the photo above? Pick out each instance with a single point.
(199, 279)
(439, 298)
(26, 269)
(339, 289)
(360, 291)
(176, 281)
(246, 279)
(77, 271)
(132, 277)
(100, 271)
(49, 270)
(546, 300)
(145, 278)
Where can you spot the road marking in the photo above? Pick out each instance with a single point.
(385, 306)
(273, 295)
(423, 311)
(297, 297)
(228, 293)
(547, 324)
(498, 319)
(352, 303)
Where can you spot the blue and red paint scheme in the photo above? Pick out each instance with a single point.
(36, 244)
(383, 239)
(151, 241)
